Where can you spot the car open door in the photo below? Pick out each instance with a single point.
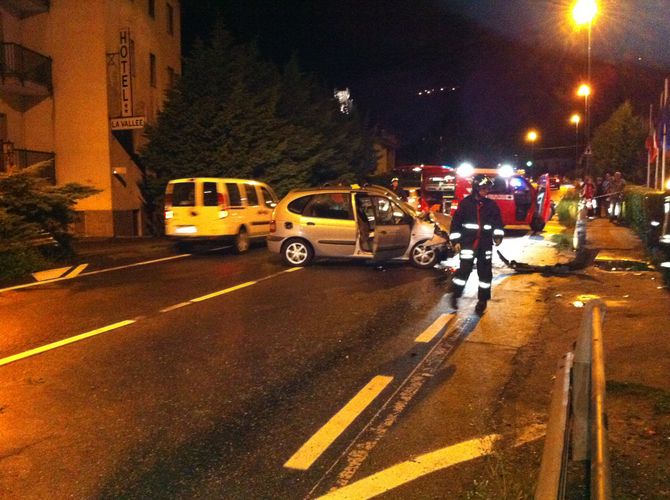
(393, 228)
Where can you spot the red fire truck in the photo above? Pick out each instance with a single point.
(519, 201)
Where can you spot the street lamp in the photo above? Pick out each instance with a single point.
(532, 136)
(583, 14)
(575, 119)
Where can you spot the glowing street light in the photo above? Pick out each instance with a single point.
(575, 119)
(584, 90)
(584, 12)
(532, 136)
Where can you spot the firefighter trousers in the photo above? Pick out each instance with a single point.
(484, 271)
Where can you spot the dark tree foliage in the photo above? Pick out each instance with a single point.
(234, 115)
(30, 206)
(618, 144)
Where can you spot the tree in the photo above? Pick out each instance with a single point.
(234, 115)
(618, 144)
(30, 205)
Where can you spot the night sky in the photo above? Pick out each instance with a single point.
(504, 66)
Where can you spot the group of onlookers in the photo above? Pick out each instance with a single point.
(604, 197)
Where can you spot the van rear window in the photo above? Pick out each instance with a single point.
(234, 196)
(183, 194)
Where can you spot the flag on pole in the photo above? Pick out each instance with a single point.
(652, 144)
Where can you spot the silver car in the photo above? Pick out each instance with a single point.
(352, 222)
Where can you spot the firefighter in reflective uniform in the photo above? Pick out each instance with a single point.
(476, 225)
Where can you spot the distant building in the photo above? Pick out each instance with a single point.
(385, 146)
(79, 80)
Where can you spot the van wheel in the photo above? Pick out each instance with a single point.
(537, 224)
(422, 256)
(183, 246)
(242, 241)
(296, 253)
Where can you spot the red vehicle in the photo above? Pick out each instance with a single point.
(520, 203)
(437, 185)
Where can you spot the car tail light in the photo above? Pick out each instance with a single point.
(273, 226)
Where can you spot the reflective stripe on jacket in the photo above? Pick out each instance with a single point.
(476, 223)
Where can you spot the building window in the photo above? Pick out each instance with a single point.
(170, 19)
(152, 8)
(171, 76)
(152, 70)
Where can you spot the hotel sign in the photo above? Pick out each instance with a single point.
(126, 74)
(127, 122)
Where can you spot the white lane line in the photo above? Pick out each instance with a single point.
(61, 343)
(437, 326)
(324, 437)
(144, 263)
(422, 465)
(176, 306)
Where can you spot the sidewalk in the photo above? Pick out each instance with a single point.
(508, 364)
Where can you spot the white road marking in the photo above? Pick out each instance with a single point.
(90, 273)
(176, 306)
(60, 343)
(76, 338)
(437, 326)
(324, 437)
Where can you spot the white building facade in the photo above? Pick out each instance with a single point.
(79, 81)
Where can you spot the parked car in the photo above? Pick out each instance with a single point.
(353, 222)
(210, 208)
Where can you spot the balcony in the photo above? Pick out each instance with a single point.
(19, 159)
(24, 72)
(25, 8)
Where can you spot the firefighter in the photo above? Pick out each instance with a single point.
(397, 190)
(476, 225)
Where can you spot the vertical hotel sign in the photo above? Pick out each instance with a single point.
(126, 75)
(126, 121)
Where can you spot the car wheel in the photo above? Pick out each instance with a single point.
(537, 224)
(422, 256)
(297, 253)
(242, 241)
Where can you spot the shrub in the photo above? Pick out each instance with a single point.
(641, 206)
(16, 263)
(567, 208)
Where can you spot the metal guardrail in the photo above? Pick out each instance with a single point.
(577, 428)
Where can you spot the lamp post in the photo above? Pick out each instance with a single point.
(532, 136)
(575, 119)
(583, 14)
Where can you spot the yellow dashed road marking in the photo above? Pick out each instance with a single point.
(324, 437)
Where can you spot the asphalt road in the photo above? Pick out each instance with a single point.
(206, 376)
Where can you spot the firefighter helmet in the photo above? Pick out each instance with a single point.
(481, 181)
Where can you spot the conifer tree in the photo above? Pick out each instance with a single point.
(234, 115)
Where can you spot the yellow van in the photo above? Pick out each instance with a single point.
(212, 208)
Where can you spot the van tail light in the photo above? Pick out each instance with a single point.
(169, 214)
(273, 226)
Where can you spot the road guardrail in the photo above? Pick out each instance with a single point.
(577, 428)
